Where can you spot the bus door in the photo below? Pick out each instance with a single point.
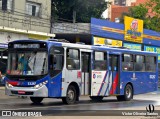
(100, 74)
(114, 71)
(86, 71)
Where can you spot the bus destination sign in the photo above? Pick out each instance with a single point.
(26, 45)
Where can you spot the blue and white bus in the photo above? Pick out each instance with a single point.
(51, 69)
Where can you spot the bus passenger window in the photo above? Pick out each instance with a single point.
(100, 61)
(150, 64)
(127, 62)
(139, 63)
(73, 59)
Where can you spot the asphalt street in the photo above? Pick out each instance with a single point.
(85, 106)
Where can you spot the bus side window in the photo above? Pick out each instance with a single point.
(73, 59)
(100, 61)
(139, 64)
(56, 60)
(150, 63)
(127, 62)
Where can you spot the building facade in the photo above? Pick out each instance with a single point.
(23, 19)
(118, 7)
(73, 32)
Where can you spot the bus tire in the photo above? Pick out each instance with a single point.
(36, 100)
(71, 96)
(96, 98)
(128, 93)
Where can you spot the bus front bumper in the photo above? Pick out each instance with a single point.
(27, 91)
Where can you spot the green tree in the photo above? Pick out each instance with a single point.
(82, 9)
(138, 12)
(154, 6)
(153, 22)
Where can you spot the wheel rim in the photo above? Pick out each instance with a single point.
(128, 92)
(70, 95)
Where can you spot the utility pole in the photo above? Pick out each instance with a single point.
(74, 16)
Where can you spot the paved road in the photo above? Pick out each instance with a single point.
(85, 104)
(83, 107)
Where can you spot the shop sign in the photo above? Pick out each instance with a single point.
(132, 46)
(153, 49)
(133, 29)
(105, 41)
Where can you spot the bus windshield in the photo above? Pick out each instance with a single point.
(27, 63)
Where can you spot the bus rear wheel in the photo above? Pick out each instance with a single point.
(128, 94)
(36, 100)
(96, 98)
(70, 96)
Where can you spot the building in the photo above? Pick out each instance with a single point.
(23, 19)
(117, 11)
(118, 7)
(73, 32)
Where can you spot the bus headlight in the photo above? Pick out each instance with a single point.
(9, 85)
(40, 84)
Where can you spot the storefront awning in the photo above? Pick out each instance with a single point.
(3, 28)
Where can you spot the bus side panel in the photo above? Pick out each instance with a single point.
(55, 86)
(152, 81)
(114, 88)
(70, 76)
(127, 77)
(142, 82)
(148, 81)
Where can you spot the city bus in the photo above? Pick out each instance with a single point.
(53, 69)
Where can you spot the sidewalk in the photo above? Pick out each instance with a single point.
(2, 87)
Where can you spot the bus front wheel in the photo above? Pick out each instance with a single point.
(36, 100)
(70, 96)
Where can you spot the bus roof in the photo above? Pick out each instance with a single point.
(83, 46)
(116, 49)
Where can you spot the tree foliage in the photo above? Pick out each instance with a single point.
(138, 12)
(84, 9)
(142, 12)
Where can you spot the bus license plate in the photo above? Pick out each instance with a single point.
(21, 92)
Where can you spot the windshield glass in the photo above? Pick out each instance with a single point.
(28, 63)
